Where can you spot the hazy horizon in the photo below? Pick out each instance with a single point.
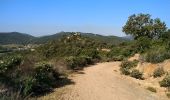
(42, 17)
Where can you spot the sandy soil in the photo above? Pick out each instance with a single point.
(102, 82)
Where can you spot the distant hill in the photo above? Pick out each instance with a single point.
(97, 37)
(20, 38)
(15, 38)
(105, 39)
(44, 39)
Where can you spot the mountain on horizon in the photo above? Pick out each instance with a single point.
(15, 38)
(22, 38)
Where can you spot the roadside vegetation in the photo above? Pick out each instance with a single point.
(30, 73)
(127, 67)
(158, 72)
(36, 72)
(152, 42)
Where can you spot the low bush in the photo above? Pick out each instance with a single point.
(158, 72)
(118, 58)
(157, 56)
(125, 71)
(126, 66)
(93, 53)
(136, 74)
(26, 79)
(165, 82)
(8, 63)
(43, 79)
(120, 53)
(78, 62)
(151, 89)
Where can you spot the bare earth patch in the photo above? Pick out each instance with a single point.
(102, 82)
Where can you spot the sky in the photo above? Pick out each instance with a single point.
(105, 17)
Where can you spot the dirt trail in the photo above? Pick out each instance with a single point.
(103, 82)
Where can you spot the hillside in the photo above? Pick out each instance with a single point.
(15, 38)
(44, 39)
(20, 38)
(101, 38)
(106, 39)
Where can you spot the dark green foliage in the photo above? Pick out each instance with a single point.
(26, 77)
(142, 44)
(136, 74)
(151, 38)
(158, 50)
(8, 63)
(93, 53)
(28, 85)
(166, 36)
(165, 82)
(43, 79)
(166, 39)
(142, 25)
(157, 56)
(158, 72)
(15, 38)
(44, 74)
(78, 62)
(121, 52)
(71, 45)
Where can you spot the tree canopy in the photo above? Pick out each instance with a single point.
(143, 25)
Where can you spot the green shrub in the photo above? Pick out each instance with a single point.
(120, 53)
(157, 56)
(136, 74)
(93, 53)
(118, 58)
(151, 89)
(78, 62)
(8, 63)
(165, 82)
(71, 62)
(158, 72)
(126, 66)
(44, 78)
(27, 79)
(29, 84)
(125, 71)
(142, 44)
